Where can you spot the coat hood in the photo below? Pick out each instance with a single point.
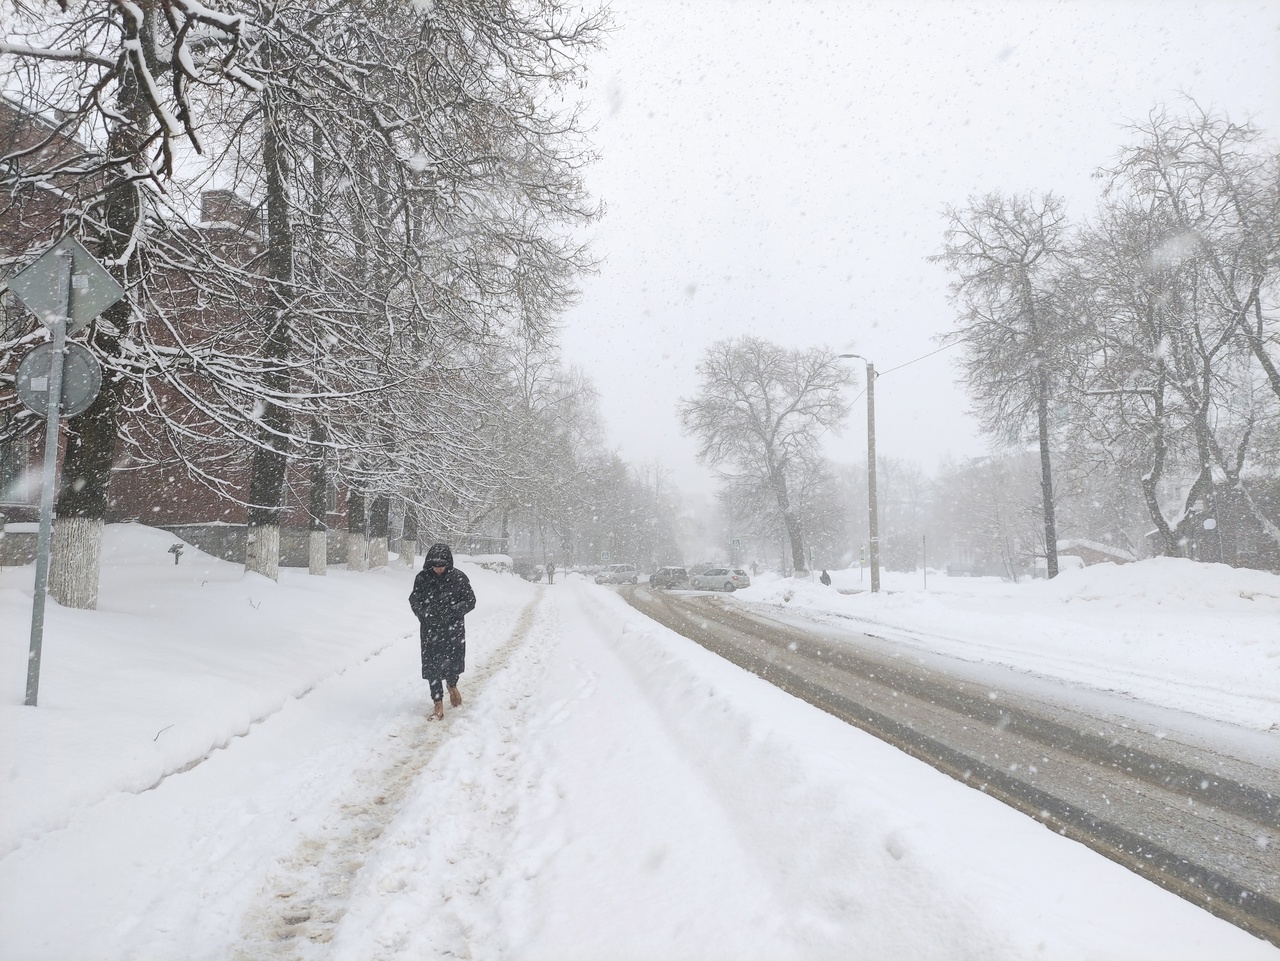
(439, 552)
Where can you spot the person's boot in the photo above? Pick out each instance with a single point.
(455, 697)
(437, 712)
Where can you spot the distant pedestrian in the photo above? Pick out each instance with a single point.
(755, 569)
(551, 572)
(825, 578)
(441, 598)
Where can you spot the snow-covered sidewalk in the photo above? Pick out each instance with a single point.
(609, 790)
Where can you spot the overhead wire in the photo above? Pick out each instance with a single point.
(881, 373)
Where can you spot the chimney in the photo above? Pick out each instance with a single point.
(225, 207)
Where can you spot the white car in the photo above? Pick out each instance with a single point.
(618, 574)
(719, 579)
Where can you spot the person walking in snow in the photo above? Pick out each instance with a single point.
(551, 572)
(440, 599)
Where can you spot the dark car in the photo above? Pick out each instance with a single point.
(668, 577)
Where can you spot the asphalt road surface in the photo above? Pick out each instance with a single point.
(1196, 821)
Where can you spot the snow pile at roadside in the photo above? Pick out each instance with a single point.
(1200, 638)
(176, 662)
(609, 789)
(865, 847)
(501, 563)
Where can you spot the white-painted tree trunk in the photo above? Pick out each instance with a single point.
(409, 552)
(357, 552)
(378, 552)
(262, 551)
(74, 560)
(318, 553)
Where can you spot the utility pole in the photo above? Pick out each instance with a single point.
(873, 508)
(873, 519)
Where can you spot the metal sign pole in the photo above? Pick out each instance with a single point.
(65, 287)
(59, 324)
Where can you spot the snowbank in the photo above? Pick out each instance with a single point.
(1198, 638)
(225, 766)
(176, 662)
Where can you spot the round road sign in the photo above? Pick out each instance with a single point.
(81, 380)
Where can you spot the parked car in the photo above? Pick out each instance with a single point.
(744, 579)
(718, 579)
(618, 574)
(666, 578)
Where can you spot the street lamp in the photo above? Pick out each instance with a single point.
(873, 513)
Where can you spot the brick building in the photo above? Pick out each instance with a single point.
(173, 475)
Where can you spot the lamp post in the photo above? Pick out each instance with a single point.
(872, 511)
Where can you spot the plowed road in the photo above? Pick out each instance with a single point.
(1196, 821)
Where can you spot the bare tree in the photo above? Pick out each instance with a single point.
(760, 409)
(1214, 186)
(1005, 253)
(1177, 383)
(419, 171)
(903, 512)
(455, 180)
(122, 80)
(985, 512)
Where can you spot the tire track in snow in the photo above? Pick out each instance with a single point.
(305, 897)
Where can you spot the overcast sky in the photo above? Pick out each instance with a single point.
(780, 168)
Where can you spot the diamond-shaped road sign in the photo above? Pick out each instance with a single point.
(93, 290)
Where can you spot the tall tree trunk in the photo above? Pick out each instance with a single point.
(792, 524)
(270, 457)
(379, 529)
(1257, 341)
(1175, 537)
(83, 495)
(409, 538)
(357, 533)
(1046, 474)
(318, 508)
(1150, 481)
(83, 501)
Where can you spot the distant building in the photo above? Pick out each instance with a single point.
(1093, 552)
(1228, 531)
(30, 219)
(150, 482)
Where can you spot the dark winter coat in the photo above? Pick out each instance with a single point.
(440, 601)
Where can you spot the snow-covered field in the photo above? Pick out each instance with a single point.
(226, 767)
(1200, 638)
